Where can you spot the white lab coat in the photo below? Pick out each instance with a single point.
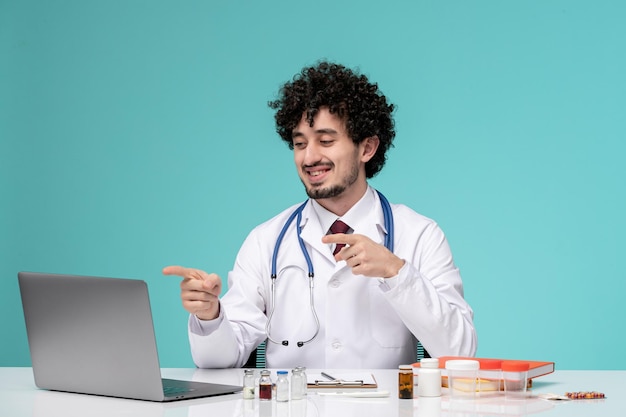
(364, 322)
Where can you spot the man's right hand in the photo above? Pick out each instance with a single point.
(199, 291)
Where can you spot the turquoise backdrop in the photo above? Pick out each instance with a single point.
(133, 132)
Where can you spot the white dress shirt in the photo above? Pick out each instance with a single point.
(365, 322)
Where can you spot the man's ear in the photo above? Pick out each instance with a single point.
(368, 148)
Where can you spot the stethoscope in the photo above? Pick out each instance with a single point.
(297, 214)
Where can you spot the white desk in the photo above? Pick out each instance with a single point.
(19, 397)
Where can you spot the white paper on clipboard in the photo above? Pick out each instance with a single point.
(342, 380)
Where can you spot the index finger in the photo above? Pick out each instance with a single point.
(341, 238)
(177, 270)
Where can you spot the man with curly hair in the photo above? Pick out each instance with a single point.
(360, 296)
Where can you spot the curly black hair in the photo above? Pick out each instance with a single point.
(346, 93)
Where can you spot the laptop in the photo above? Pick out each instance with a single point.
(95, 335)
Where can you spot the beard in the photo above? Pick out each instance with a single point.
(337, 189)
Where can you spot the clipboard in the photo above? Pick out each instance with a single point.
(341, 380)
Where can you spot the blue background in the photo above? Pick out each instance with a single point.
(133, 132)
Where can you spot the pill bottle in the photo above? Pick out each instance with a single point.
(248, 384)
(405, 382)
(429, 382)
(515, 377)
(431, 363)
(282, 386)
(462, 376)
(490, 377)
(265, 385)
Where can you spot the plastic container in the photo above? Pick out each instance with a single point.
(490, 377)
(515, 376)
(429, 382)
(462, 378)
(430, 363)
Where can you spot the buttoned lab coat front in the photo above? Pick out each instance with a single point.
(364, 322)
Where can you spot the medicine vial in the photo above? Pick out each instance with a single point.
(248, 384)
(296, 384)
(304, 379)
(265, 385)
(282, 386)
(405, 382)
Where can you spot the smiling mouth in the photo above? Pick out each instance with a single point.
(317, 173)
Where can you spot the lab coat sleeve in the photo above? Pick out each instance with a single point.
(228, 340)
(427, 294)
(213, 343)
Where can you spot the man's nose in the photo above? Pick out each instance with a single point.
(312, 154)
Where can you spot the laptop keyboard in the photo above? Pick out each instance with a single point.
(172, 388)
(171, 391)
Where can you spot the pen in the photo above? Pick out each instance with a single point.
(332, 378)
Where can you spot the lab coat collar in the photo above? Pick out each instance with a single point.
(365, 218)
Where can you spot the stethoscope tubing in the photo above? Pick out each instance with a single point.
(297, 215)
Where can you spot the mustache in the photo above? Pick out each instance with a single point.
(318, 164)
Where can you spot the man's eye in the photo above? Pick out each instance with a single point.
(299, 145)
(326, 142)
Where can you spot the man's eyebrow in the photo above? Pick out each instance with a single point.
(328, 131)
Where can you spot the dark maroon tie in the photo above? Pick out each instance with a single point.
(339, 227)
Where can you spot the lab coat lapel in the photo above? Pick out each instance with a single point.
(312, 233)
(371, 225)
